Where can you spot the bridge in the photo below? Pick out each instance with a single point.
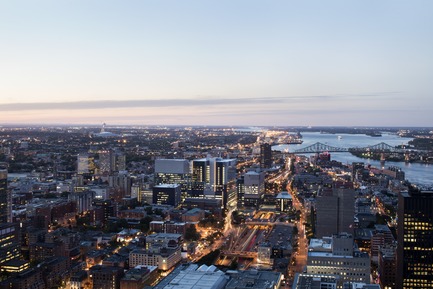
(243, 254)
(321, 148)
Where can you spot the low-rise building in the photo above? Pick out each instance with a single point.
(189, 276)
(163, 239)
(105, 277)
(314, 281)
(138, 277)
(162, 257)
(254, 279)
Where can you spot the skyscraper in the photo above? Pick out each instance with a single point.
(251, 189)
(211, 177)
(5, 198)
(85, 164)
(335, 210)
(173, 171)
(111, 161)
(265, 156)
(415, 240)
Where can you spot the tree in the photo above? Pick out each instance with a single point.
(145, 224)
(191, 233)
(295, 231)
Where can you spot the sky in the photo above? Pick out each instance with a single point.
(225, 62)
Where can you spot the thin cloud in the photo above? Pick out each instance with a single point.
(186, 102)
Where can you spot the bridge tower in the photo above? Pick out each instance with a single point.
(382, 159)
(407, 157)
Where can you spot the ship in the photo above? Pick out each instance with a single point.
(374, 134)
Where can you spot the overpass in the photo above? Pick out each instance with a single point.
(242, 254)
(266, 223)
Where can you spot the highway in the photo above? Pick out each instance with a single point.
(301, 254)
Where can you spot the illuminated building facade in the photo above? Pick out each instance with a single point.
(251, 189)
(85, 164)
(284, 201)
(111, 161)
(168, 194)
(162, 257)
(415, 240)
(336, 256)
(211, 178)
(10, 248)
(173, 171)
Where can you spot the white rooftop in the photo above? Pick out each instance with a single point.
(200, 279)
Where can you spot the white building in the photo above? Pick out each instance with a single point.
(161, 257)
(336, 256)
(191, 276)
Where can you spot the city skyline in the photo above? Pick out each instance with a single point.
(244, 63)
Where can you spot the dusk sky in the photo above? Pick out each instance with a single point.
(348, 62)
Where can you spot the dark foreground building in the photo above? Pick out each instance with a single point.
(415, 240)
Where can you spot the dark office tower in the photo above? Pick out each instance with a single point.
(240, 191)
(5, 198)
(167, 194)
(10, 248)
(335, 210)
(265, 156)
(415, 240)
(200, 173)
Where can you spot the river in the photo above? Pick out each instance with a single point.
(417, 173)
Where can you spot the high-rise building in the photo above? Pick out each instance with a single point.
(10, 248)
(85, 164)
(335, 211)
(265, 156)
(173, 171)
(211, 178)
(168, 194)
(415, 239)
(121, 182)
(5, 198)
(251, 189)
(240, 191)
(111, 161)
(387, 266)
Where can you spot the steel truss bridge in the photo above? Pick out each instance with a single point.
(321, 148)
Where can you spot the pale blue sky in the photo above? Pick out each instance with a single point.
(217, 62)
